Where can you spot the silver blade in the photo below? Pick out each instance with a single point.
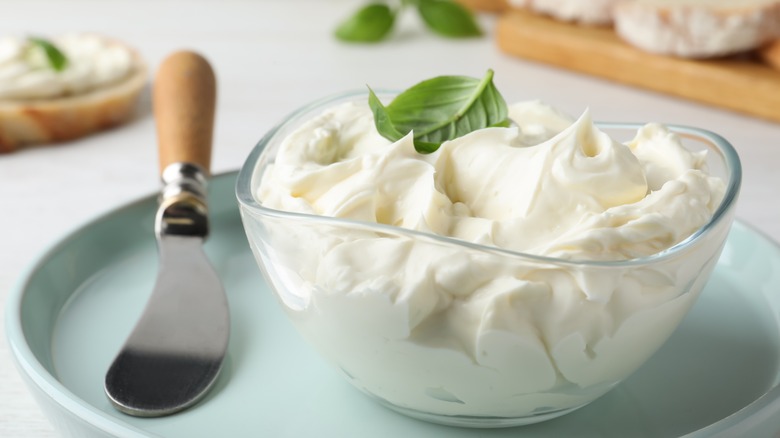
(175, 352)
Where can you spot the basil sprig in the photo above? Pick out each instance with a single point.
(440, 109)
(57, 60)
(373, 22)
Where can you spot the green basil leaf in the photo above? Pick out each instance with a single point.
(57, 60)
(440, 109)
(425, 147)
(369, 24)
(382, 120)
(448, 18)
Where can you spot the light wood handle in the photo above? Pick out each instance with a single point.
(184, 98)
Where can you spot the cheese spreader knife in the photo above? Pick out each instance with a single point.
(175, 352)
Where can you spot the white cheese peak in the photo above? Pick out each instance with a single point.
(548, 186)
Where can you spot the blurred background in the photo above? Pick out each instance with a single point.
(271, 57)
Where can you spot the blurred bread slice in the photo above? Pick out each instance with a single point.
(26, 121)
(697, 28)
(591, 12)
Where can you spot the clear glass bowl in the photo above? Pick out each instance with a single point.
(412, 347)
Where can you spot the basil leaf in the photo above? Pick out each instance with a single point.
(369, 24)
(57, 60)
(448, 18)
(382, 120)
(440, 109)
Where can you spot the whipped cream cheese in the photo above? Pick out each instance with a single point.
(93, 62)
(589, 12)
(456, 330)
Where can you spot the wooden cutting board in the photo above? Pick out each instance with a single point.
(741, 85)
(485, 5)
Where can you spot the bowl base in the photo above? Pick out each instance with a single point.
(483, 422)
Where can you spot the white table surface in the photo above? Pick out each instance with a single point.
(271, 57)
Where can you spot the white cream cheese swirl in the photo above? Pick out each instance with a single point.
(455, 331)
(93, 62)
(551, 186)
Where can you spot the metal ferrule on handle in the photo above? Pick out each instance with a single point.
(183, 210)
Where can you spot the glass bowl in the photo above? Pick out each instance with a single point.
(393, 309)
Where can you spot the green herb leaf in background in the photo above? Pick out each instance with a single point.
(448, 18)
(371, 23)
(57, 60)
(440, 109)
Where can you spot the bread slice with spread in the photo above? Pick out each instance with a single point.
(59, 90)
(590, 12)
(697, 28)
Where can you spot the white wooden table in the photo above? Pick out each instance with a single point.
(271, 57)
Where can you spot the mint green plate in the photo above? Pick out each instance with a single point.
(717, 376)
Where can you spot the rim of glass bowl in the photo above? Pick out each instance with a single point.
(715, 142)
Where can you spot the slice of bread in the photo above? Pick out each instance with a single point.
(590, 12)
(697, 28)
(51, 120)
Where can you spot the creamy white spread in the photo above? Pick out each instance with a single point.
(698, 28)
(93, 62)
(588, 12)
(450, 330)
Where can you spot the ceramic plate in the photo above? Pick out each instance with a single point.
(717, 376)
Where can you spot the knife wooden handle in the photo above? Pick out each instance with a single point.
(184, 98)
